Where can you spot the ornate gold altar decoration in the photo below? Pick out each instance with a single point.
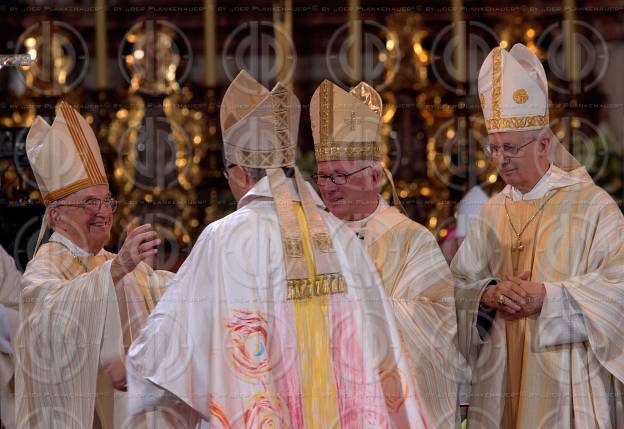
(17, 183)
(154, 66)
(437, 110)
(153, 62)
(53, 60)
(407, 74)
(53, 57)
(518, 29)
(406, 33)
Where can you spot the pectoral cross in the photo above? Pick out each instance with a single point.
(15, 60)
(515, 254)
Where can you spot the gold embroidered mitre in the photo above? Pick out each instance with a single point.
(513, 90)
(259, 126)
(64, 156)
(346, 125)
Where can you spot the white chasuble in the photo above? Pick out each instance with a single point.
(419, 286)
(10, 286)
(227, 341)
(73, 321)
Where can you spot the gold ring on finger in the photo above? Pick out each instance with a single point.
(501, 299)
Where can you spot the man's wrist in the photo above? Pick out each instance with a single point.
(485, 300)
(116, 271)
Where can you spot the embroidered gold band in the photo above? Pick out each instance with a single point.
(325, 284)
(260, 158)
(372, 150)
(70, 189)
(517, 122)
(81, 143)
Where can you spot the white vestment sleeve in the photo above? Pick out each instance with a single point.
(10, 281)
(145, 394)
(8, 316)
(561, 320)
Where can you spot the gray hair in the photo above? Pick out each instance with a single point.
(258, 173)
(255, 173)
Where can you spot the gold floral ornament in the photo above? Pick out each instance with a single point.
(154, 59)
(482, 100)
(520, 96)
(59, 58)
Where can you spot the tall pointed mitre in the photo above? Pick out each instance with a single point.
(259, 126)
(513, 91)
(346, 125)
(260, 129)
(64, 156)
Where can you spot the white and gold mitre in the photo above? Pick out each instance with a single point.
(64, 156)
(513, 90)
(346, 125)
(259, 126)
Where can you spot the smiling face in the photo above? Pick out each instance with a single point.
(87, 228)
(355, 199)
(524, 169)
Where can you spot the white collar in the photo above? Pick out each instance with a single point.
(262, 190)
(554, 178)
(538, 191)
(360, 224)
(78, 252)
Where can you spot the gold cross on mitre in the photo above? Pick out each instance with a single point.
(15, 60)
(353, 121)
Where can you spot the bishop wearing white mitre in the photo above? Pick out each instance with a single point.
(540, 275)
(81, 306)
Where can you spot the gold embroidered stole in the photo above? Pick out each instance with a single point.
(301, 283)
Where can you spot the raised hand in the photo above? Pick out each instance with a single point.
(140, 245)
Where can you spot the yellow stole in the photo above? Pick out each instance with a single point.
(312, 320)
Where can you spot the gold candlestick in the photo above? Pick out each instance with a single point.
(570, 43)
(210, 43)
(282, 27)
(100, 44)
(355, 35)
(459, 31)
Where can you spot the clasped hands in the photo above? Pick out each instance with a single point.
(515, 297)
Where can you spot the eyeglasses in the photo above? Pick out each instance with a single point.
(93, 205)
(508, 149)
(337, 178)
(226, 170)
